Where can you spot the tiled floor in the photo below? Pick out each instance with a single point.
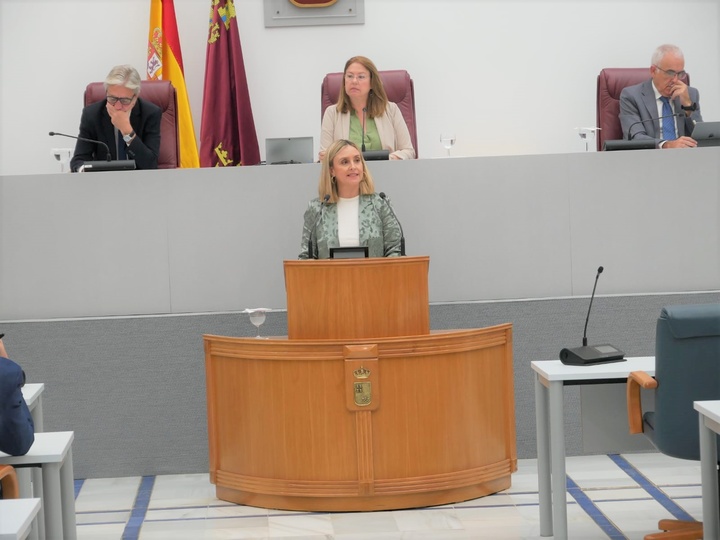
(610, 496)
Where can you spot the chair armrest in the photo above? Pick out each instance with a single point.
(9, 481)
(636, 381)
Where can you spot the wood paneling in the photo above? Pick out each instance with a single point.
(440, 427)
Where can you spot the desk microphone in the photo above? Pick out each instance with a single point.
(313, 233)
(363, 127)
(402, 235)
(107, 148)
(594, 354)
(630, 135)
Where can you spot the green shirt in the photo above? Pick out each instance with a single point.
(372, 137)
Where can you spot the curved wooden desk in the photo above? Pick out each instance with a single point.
(362, 424)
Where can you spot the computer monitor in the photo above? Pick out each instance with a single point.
(285, 150)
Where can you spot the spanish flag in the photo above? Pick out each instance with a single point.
(164, 62)
(227, 130)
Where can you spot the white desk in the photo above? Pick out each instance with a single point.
(550, 378)
(32, 393)
(52, 451)
(16, 518)
(709, 426)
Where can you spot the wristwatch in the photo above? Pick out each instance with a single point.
(129, 137)
(692, 107)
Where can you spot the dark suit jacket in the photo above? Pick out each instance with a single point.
(637, 103)
(95, 124)
(17, 431)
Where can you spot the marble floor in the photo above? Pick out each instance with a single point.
(618, 496)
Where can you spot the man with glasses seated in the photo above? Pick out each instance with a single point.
(662, 108)
(129, 125)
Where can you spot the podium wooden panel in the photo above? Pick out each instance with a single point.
(371, 424)
(357, 298)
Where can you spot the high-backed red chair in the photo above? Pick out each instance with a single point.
(162, 94)
(610, 83)
(398, 86)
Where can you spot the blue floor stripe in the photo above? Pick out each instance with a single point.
(134, 524)
(592, 510)
(78, 487)
(652, 489)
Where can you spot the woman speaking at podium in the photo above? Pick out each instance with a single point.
(348, 212)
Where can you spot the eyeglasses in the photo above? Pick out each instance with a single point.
(671, 73)
(362, 77)
(112, 100)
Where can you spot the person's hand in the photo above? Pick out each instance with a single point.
(3, 352)
(321, 155)
(680, 90)
(682, 142)
(393, 156)
(120, 118)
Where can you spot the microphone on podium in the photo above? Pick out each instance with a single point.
(108, 165)
(594, 354)
(402, 234)
(107, 148)
(363, 129)
(630, 134)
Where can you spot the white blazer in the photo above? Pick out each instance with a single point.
(394, 134)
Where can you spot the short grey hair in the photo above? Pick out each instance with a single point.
(124, 75)
(662, 50)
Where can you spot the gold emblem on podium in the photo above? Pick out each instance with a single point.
(362, 391)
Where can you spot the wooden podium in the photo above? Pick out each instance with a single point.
(364, 422)
(357, 298)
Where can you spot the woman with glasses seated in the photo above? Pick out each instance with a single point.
(127, 124)
(364, 115)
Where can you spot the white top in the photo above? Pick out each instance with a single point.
(348, 226)
(555, 370)
(16, 517)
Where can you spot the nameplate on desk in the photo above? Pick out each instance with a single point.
(116, 165)
(359, 252)
(591, 355)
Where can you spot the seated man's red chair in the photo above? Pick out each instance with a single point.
(610, 83)
(162, 94)
(398, 86)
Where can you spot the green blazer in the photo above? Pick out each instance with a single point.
(379, 230)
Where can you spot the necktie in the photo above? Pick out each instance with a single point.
(121, 146)
(668, 124)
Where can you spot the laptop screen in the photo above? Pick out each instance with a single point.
(285, 150)
(707, 133)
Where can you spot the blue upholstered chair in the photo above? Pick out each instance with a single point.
(687, 369)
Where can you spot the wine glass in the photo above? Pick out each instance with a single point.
(448, 140)
(257, 318)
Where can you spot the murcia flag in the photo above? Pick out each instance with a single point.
(227, 131)
(164, 62)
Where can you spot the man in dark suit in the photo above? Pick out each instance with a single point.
(17, 431)
(129, 125)
(663, 95)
